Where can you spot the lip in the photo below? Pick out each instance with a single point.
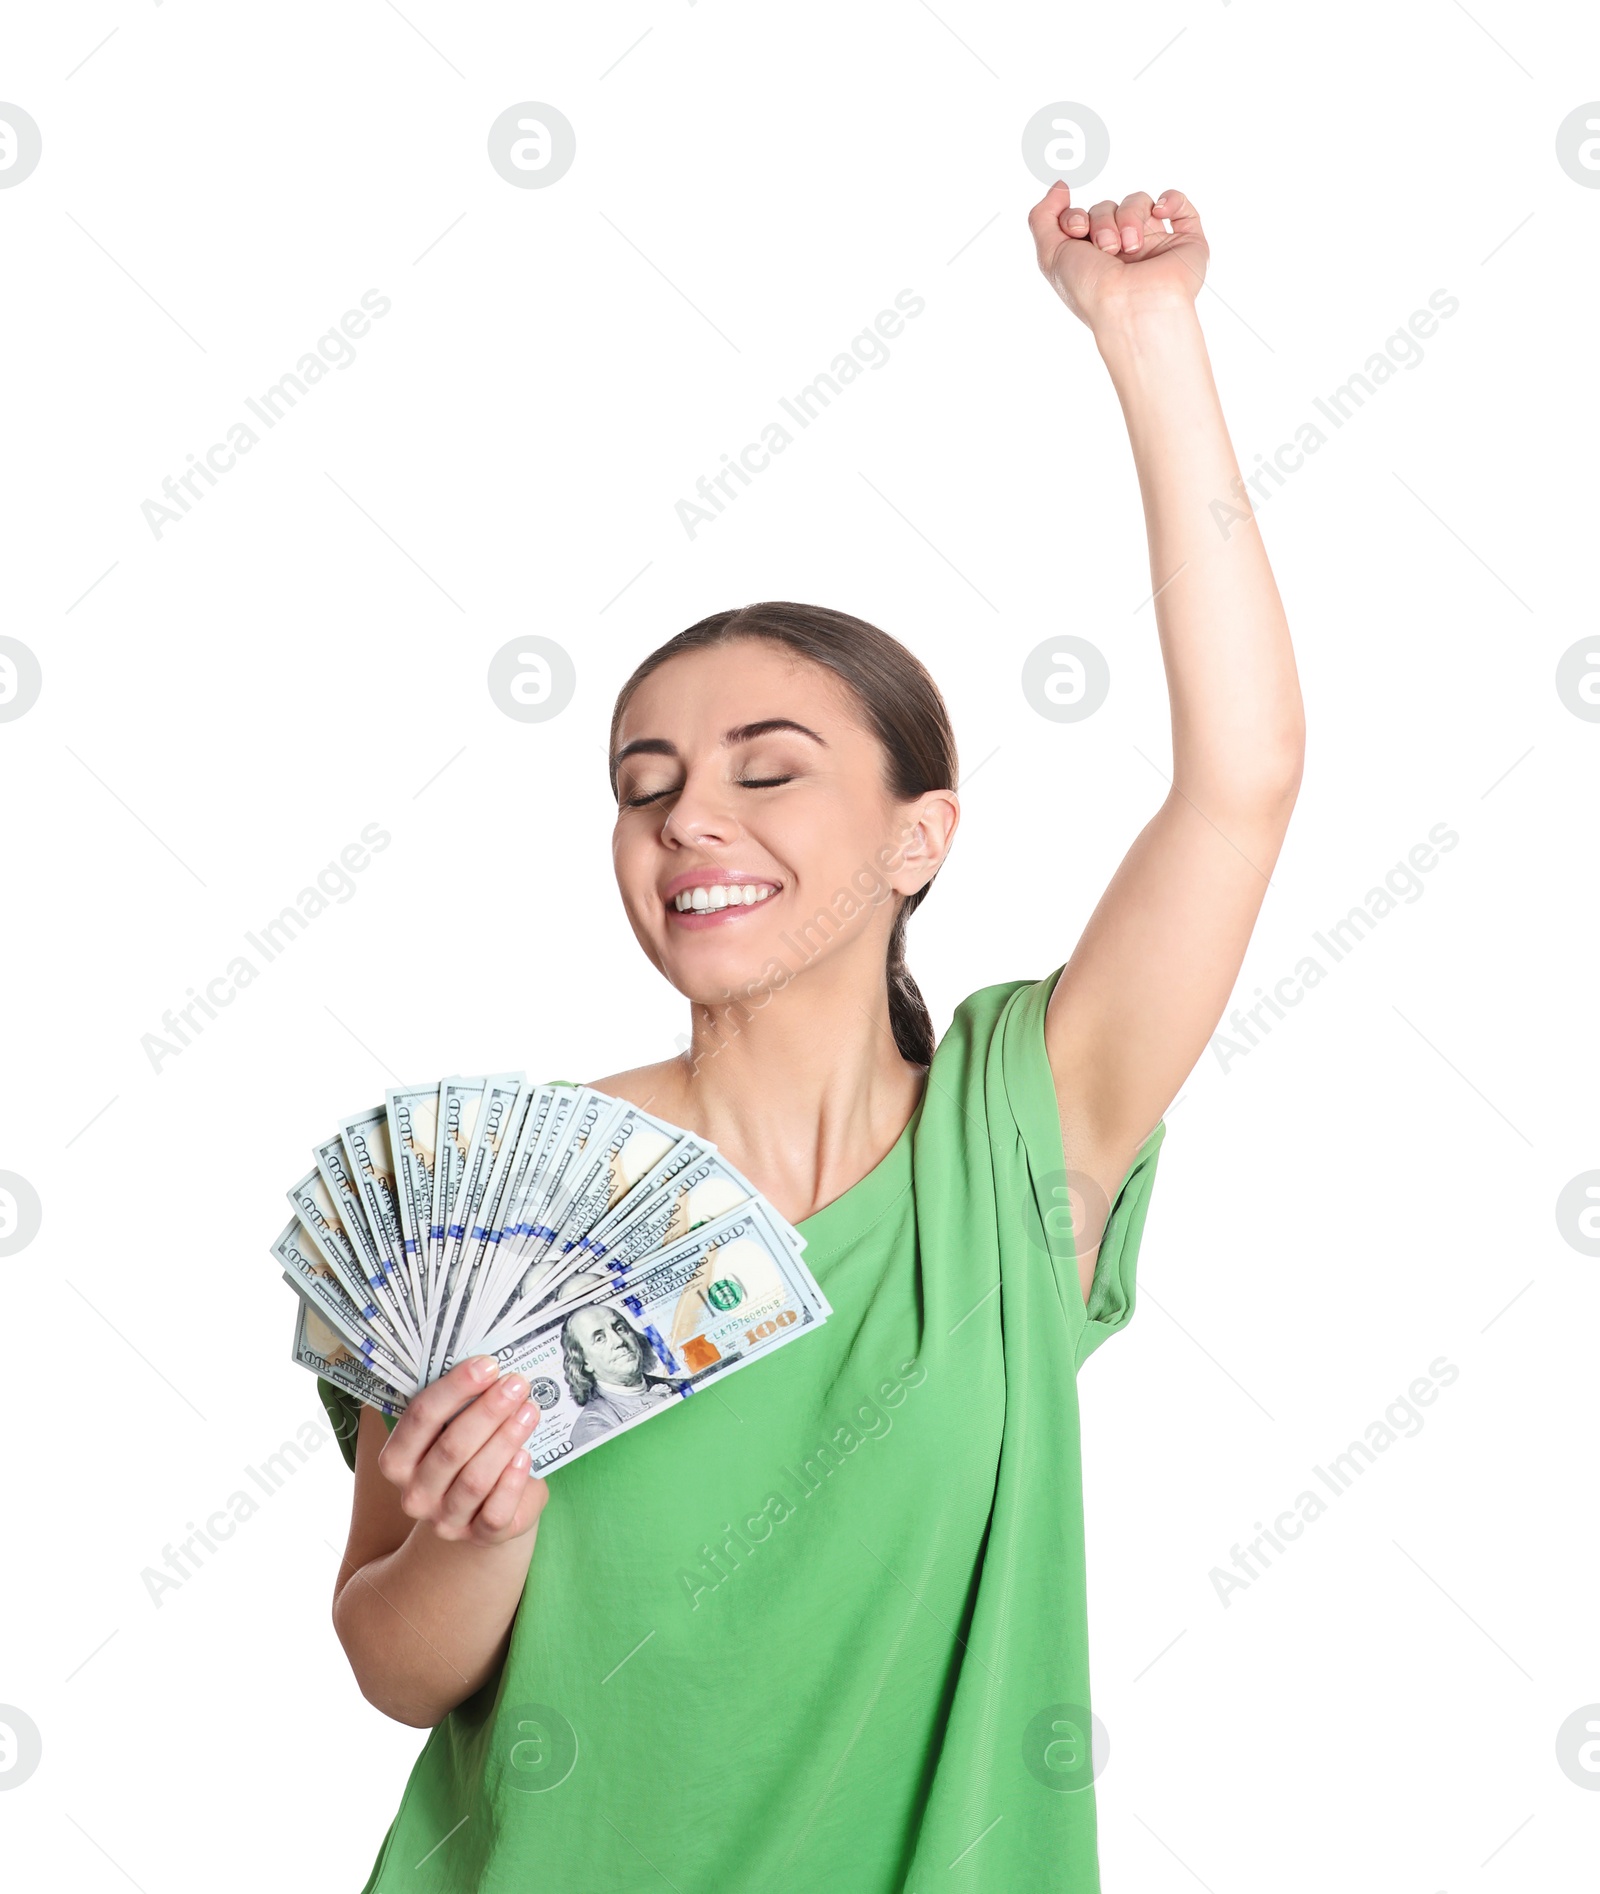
(715, 878)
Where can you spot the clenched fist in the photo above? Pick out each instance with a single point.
(1113, 260)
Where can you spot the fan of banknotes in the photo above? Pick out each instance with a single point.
(617, 1262)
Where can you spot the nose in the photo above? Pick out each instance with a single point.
(702, 813)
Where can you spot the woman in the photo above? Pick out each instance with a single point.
(828, 1628)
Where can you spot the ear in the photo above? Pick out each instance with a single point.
(928, 830)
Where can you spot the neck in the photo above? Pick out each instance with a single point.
(806, 1092)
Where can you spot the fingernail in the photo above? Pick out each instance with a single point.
(512, 1388)
(525, 1417)
(1130, 238)
(519, 1460)
(484, 1368)
(1107, 240)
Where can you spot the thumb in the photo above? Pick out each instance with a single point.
(1044, 220)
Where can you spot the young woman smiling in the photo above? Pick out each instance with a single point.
(828, 1629)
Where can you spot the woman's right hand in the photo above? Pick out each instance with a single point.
(456, 1456)
(1112, 259)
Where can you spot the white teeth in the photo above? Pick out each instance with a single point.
(721, 894)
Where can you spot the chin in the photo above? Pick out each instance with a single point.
(708, 964)
(708, 957)
(710, 977)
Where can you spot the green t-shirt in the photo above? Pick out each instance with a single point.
(824, 1625)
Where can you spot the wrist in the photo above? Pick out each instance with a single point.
(472, 1554)
(1137, 325)
(1155, 353)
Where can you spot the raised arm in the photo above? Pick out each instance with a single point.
(1150, 976)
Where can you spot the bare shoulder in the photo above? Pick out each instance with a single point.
(656, 1088)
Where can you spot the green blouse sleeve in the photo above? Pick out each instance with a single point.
(1112, 1290)
(1031, 1094)
(344, 1410)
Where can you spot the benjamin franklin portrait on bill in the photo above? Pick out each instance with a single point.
(610, 1370)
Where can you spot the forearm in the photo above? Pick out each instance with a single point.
(427, 1625)
(1237, 719)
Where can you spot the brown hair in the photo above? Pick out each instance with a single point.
(902, 707)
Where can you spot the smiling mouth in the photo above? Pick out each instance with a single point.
(719, 895)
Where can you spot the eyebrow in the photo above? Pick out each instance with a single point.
(740, 733)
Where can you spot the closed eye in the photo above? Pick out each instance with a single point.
(645, 799)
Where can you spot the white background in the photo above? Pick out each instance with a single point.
(225, 707)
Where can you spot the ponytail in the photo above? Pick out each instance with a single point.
(908, 1010)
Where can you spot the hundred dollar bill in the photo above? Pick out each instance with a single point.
(705, 1307)
(316, 1283)
(595, 1278)
(518, 1168)
(654, 1188)
(413, 1137)
(694, 1182)
(365, 1137)
(529, 1186)
(459, 1100)
(525, 1188)
(318, 1348)
(333, 1165)
(591, 1116)
(516, 1218)
(495, 1129)
(630, 1145)
(313, 1203)
(514, 1173)
(688, 1188)
(692, 1186)
(494, 1138)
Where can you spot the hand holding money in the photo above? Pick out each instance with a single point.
(610, 1263)
(457, 1460)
